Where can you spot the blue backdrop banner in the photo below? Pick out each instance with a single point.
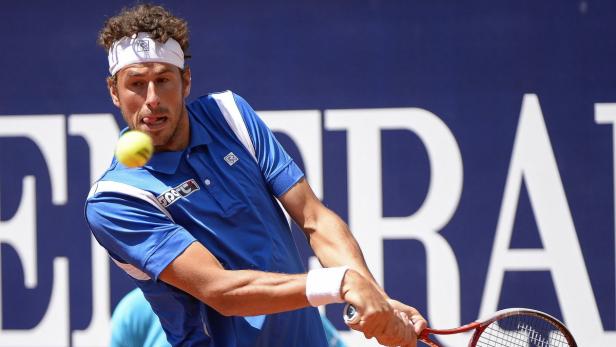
(469, 145)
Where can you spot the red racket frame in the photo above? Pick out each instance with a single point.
(350, 314)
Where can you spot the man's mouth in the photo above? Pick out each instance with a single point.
(153, 122)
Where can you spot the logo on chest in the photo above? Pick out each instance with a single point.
(231, 158)
(172, 195)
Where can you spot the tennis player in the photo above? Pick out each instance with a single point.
(199, 227)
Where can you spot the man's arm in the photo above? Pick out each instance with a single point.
(328, 235)
(332, 242)
(234, 293)
(248, 293)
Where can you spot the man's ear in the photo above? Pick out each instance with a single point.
(113, 90)
(186, 83)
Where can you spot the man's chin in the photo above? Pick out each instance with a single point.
(161, 143)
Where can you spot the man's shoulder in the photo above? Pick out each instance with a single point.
(209, 99)
(132, 176)
(220, 100)
(221, 110)
(119, 179)
(212, 96)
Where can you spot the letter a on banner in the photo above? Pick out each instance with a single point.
(533, 162)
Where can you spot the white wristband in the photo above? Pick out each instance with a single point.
(323, 285)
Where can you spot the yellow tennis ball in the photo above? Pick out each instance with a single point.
(134, 148)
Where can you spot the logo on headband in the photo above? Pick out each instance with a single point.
(142, 48)
(141, 45)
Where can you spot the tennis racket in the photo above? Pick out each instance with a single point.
(513, 327)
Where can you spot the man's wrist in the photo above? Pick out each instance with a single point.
(348, 281)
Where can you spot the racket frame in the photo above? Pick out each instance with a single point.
(352, 317)
(480, 325)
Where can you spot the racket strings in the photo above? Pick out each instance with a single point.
(522, 331)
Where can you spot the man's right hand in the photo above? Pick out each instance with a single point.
(378, 318)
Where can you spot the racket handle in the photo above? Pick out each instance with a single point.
(350, 314)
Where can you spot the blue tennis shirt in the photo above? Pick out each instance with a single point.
(219, 191)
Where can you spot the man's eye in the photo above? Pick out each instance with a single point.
(137, 84)
(163, 80)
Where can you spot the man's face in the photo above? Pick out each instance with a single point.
(151, 99)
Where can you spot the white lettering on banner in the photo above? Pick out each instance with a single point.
(605, 113)
(19, 232)
(97, 130)
(365, 199)
(48, 133)
(533, 162)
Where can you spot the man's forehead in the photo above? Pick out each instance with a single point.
(138, 69)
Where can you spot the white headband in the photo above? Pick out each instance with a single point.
(140, 48)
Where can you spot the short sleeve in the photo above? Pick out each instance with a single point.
(136, 232)
(277, 166)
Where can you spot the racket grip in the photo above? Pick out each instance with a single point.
(350, 314)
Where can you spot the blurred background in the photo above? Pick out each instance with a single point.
(469, 145)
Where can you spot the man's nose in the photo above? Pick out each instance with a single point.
(152, 98)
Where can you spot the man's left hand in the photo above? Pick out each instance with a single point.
(415, 318)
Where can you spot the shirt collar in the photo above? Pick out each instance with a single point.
(168, 162)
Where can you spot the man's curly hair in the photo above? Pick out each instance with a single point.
(152, 19)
